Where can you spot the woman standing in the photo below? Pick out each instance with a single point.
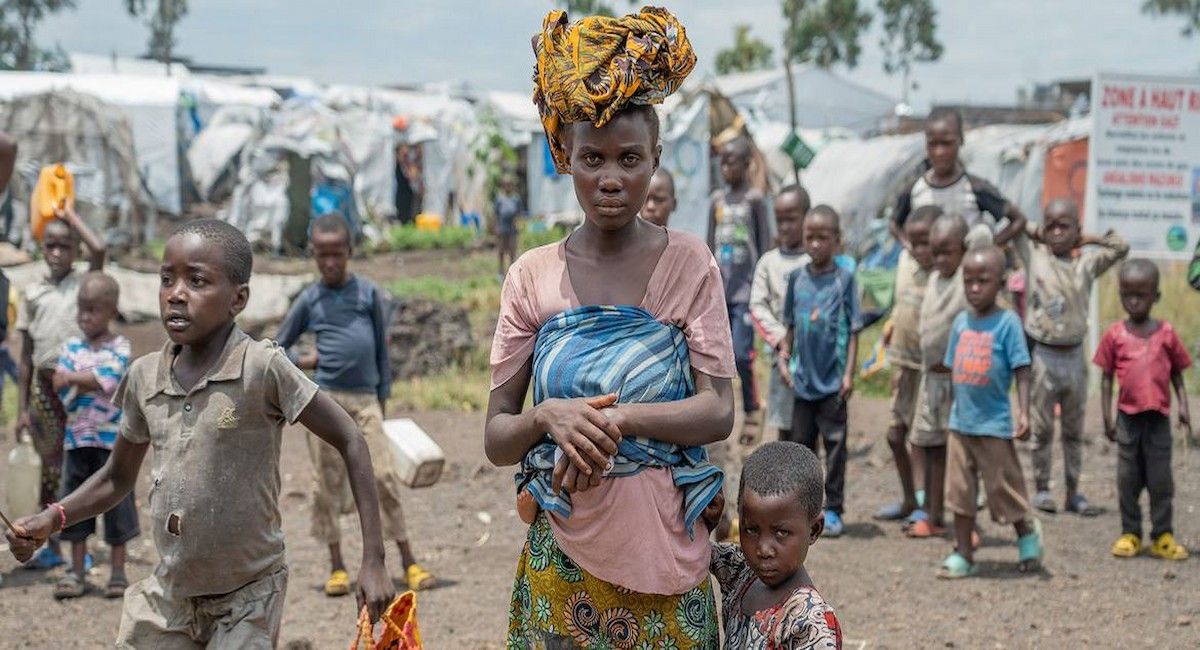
(621, 330)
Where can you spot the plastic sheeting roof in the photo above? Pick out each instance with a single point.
(823, 99)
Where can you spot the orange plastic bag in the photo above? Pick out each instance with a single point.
(55, 190)
(399, 627)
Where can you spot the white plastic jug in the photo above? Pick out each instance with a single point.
(419, 460)
(22, 481)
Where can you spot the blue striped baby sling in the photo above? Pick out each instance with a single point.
(599, 350)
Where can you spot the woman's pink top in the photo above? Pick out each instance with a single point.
(627, 531)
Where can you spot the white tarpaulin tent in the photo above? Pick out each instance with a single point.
(860, 178)
(94, 142)
(353, 146)
(823, 98)
(442, 124)
(151, 105)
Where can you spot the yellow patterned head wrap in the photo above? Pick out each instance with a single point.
(589, 70)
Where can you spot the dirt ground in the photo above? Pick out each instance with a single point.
(882, 585)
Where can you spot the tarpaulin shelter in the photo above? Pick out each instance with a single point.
(215, 152)
(824, 99)
(350, 149)
(92, 139)
(155, 108)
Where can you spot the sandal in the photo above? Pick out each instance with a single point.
(1127, 545)
(891, 512)
(71, 585)
(956, 566)
(418, 578)
(913, 518)
(1030, 550)
(924, 529)
(1166, 548)
(338, 584)
(116, 587)
(1044, 501)
(1079, 505)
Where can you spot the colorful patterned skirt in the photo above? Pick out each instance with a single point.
(556, 604)
(49, 420)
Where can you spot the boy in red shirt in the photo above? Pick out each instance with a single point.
(1144, 354)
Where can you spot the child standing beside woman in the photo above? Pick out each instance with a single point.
(621, 331)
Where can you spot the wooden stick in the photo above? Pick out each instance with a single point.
(9, 524)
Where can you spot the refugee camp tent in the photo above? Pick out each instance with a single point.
(95, 143)
(152, 107)
(862, 178)
(349, 149)
(442, 124)
(149, 105)
(215, 152)
(824, 99)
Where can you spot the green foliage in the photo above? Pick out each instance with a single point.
(824, 32)
(161, 17)
(1189, 10)
(909, 34)
(534, 238)
(747, 53)
(409, 238)
(18, 20)
(492, 155)
(472, 293)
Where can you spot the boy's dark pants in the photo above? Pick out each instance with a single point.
(743, 352)
(1144, 461)
(824, 418)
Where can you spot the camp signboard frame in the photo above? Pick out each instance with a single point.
(1144, 161)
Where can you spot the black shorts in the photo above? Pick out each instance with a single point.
(120, 523)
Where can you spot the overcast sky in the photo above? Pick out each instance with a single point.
(991, 47)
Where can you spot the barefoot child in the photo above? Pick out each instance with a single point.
(621, 334)
(738, 234)
(213, 404)
(768, 292)
(944, 299)
(767, 596)
(1144, 354)
(819, 353)
(46, 319)
(1059, 280)
(89, 370)
(660, 198)
(904, 353)
(346, 313)
(986, 350)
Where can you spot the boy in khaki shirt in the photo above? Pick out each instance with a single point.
(1060, 280)
(213, 403)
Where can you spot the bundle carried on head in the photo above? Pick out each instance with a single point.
(589, 70)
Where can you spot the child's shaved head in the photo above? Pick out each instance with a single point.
(99, 286)
(1063, 206)
(1139, 269)
(238, 256)
(952, 225)
(785, 468)
(826, 213)
(990, 256)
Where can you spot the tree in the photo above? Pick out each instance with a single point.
(823, 32)
(161, 17)
(1189, 10)
(18, 20)
(909, 36)
(748, 53)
